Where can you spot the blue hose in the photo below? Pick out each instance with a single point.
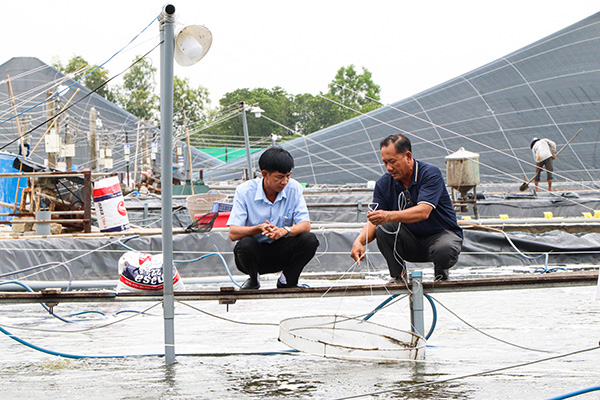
(65, 355)
(392, 297)
(60, 264)
(187, 261)
(576, 393)
(76, 356)
(43, 305)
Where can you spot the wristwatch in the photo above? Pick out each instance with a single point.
(289, 231)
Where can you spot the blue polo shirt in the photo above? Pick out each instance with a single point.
(251, 206)
(426, 186)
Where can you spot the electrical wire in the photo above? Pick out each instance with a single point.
(78, 81)
(81, 99)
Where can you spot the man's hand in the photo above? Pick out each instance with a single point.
(358, 252)
(379, 217)
(272, 231)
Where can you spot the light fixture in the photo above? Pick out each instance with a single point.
(257, 111)
(192, 44)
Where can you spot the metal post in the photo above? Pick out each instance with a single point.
(416, 303)
(247, 141)
(167, 37)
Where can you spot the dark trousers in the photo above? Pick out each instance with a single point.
(441, 248)
(288, 255)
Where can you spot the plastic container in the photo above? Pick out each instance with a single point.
(110, 205)
(220, 220)
(203, 203)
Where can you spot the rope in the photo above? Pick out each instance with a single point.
(488, 372)
(487, 334)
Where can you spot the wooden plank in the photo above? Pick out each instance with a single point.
(230, 294)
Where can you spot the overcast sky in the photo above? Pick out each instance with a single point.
(408, 46)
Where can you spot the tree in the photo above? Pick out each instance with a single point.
(93, 76)
(138, 92)
(277, 104)
(313, 113)
(356, 91)
(188, 103)
(303, 113)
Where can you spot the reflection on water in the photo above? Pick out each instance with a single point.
(559, 320)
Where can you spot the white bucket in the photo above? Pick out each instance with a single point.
(110, 205)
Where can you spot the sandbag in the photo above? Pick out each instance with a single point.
(143, 272)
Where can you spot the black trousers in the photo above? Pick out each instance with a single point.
(441, 248)
(288, 255)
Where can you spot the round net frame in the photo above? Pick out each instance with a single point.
(349, 338)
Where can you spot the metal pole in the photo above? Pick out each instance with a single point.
(247, 140)
(416, 303)
(167, 22)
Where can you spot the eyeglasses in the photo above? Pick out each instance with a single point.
(405, 199)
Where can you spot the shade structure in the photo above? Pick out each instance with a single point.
(549, 88)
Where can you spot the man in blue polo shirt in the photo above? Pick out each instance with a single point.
(270, 221)
(412, 218)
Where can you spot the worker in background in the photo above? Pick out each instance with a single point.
(412, 215)
(270, 223)
(544, 153)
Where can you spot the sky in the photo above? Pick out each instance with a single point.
(408, 46)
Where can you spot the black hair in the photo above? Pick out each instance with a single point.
(276, 159)
(401, 143)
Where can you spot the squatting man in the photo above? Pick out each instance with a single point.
(270, 223)
(412, 216)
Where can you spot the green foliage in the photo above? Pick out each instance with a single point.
(137, 94)
(188, 103)
(277, 104)
(303, 113)
(354, 90)
(79, 67)
(349, 94)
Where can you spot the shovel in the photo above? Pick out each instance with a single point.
(525, 185)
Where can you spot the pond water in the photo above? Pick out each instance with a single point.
(220, 359)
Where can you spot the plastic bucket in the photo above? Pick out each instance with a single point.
(110, 205)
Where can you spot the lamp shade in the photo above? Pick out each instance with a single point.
(192, 44)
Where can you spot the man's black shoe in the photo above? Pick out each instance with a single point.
(286, 285)
(250, 284)
(442, 275)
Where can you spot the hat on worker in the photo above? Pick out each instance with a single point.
(533, 142)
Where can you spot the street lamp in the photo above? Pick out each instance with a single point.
(192, 43)
(257, 113)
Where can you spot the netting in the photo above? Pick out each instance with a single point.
(348, 338)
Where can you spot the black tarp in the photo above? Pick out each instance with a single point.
(97, 258)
